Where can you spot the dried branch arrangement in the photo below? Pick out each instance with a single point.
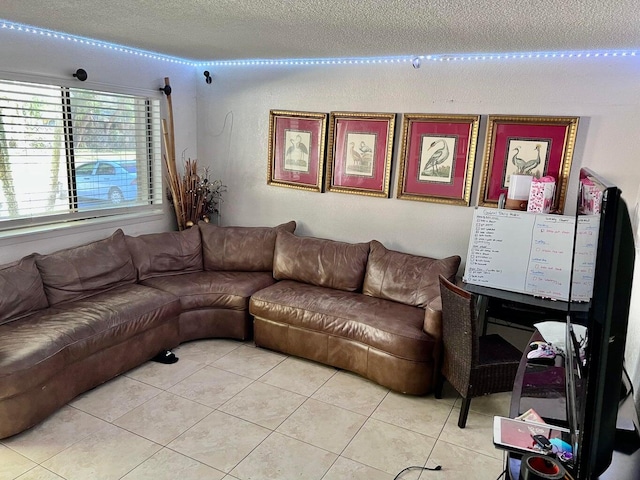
(200, 197)
(170, 159)
(194, 197)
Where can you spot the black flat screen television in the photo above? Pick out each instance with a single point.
(595, 363)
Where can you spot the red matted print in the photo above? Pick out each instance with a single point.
(537, 146)
(438, 153)
(297, 149)
(360, 158)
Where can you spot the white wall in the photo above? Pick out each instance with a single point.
(603, 92)
(31, 57)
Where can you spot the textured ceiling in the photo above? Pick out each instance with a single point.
(244, 29)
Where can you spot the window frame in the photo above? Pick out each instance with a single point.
(151, 123)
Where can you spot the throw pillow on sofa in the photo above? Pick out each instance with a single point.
(321, 262)
(240, 249)
(82, 271)
(406, 278)
(158, 254)
(22, 290)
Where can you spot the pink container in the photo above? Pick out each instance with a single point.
(541, 195)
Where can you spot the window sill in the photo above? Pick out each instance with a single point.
(42, 232)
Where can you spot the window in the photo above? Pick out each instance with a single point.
(69, 153)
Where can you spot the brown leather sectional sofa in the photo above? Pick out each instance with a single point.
(359, 307)
(76, 318)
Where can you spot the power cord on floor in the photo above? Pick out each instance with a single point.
(504, 473)
(433, 469)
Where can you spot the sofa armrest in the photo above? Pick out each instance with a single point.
(433, 326)
(433, 318)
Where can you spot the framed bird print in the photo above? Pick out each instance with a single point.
(297, 149)
(537, 146)
(438, 153)
(359, 160)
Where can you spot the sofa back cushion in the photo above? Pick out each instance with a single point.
(406, 278)
(158, 254)
(321, 262)
(82, 271)
(240, 249)
(21, 290)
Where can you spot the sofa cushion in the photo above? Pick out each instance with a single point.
(34, 348)
(85, 270)
(321, 262)
(21, 289)
(406, 278)
(158, 254)
(240, 249)
(230, 290)
(392, 327)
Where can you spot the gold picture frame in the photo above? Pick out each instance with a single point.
(297, 147)
(549, 143)
(359, 160)
(437, 158)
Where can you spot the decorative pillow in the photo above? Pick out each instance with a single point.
(240, 249)
(158, 254)
(406, 278)
(21, 289)
(321, 262)
(82, 271)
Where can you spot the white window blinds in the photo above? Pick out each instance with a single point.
(68, 153)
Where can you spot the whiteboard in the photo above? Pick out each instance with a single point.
(532, 253)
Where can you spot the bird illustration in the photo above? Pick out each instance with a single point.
(297, 151)
(518, 162)
(301, 147)
(290, 150)
(355, 156)
(365, 149)
(527, 167)
(436, 158)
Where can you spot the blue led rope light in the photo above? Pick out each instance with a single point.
(424, 58)
(416, 60)
(93, 43)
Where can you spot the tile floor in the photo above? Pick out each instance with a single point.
(229, 410)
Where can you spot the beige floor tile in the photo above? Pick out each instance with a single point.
(477, 435)
(323, 425)
(353, 392)
(57, 432)
(115, 398)
(249, 361)
(163, 418)
(496, 404)
(205, 351)
(387, 447)
(263, 404)
(345, 468)
(211, 386)
(39, 473)
(170, 465)
(421, 414)
(12, 464)
(107, 454)
(299, 375)
(283, 458)
(164, 376)
(220, 440)
(236, 445)
(458, 462)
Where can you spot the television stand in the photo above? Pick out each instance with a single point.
(542, 388)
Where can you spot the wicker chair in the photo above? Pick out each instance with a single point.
(474, 365)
